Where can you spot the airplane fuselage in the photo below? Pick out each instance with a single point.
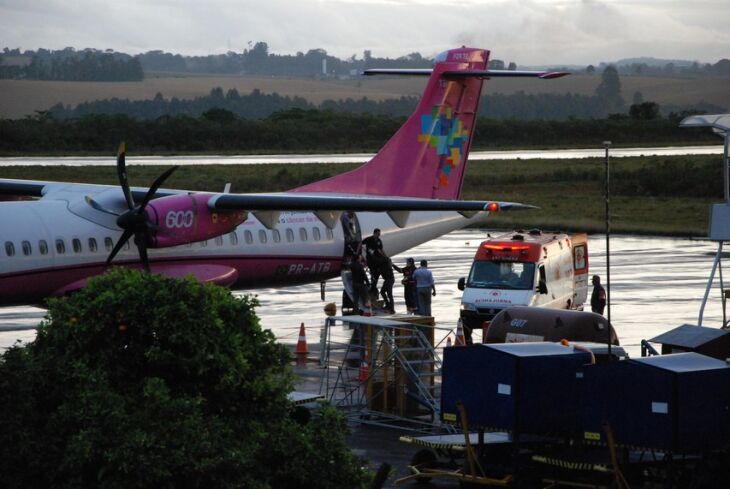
(48, 250)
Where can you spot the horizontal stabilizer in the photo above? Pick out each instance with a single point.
(544, 75)
(398, 71)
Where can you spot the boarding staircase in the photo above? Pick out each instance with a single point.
(388, 374)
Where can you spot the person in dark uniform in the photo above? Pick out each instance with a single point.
(375, 258)
(598, 298)
(409, 284)
(359, 285)
(386, 291)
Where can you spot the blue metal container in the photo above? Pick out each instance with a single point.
(678, 403)
(524, 388)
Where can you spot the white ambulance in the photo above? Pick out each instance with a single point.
(532, 268)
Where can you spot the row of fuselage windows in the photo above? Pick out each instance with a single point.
(263, 235)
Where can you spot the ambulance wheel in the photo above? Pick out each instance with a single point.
(424, 459)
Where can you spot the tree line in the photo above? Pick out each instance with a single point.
(69, 65)
(312, 130)
(257, 59)
(256, 105)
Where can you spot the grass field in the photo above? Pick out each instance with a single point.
(19, 98)
(567, 200)
(578, 204)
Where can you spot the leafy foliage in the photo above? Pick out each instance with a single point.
(309, 130)
(644, 110)
(142, 381)
(257, 105)
(86, 65)
(609, 90)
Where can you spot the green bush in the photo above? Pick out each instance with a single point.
(143, 381)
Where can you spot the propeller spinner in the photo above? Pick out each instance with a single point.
(135, 221)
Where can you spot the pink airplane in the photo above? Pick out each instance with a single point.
(68, 232)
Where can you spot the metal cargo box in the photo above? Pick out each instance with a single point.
(525, 388)
(713, 342)
(678, 403)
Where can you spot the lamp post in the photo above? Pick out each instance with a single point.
(607, 194)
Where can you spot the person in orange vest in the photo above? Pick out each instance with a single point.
(598, 298)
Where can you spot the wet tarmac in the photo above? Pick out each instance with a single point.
(657, 283)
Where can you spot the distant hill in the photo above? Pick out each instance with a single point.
(652, 62)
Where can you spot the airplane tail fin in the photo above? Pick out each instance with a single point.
(427, 156)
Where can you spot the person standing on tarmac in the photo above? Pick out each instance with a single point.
(425, 288)
(598, 298)
(409, 284)
(359, 285)
(375, 258)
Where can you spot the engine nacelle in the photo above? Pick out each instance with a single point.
(186, 218)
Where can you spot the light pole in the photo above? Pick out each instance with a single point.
(607, 195)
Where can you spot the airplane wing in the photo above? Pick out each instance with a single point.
(22, 188)
(320, 201)
(267, 207)
(328, 207)
(279, 201)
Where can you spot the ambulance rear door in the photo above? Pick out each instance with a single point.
(580, 268)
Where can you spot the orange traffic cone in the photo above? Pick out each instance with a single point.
(362, 375)
(302, 348)
(364, 372)
(448, 341)
(460, 341)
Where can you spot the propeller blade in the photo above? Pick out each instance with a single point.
(123, 239)
(156, 185)
(122, 174)
(140, 239)
(98, 206)
(135, 221)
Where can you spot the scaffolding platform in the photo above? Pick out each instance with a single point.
(387, 374)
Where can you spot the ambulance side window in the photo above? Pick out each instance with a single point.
(542, 285)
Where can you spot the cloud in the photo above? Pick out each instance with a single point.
(524, 31)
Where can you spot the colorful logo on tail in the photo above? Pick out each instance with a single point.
(442, 130)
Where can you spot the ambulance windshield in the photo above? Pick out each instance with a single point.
(502, 275)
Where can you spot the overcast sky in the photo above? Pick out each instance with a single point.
(529, 32)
